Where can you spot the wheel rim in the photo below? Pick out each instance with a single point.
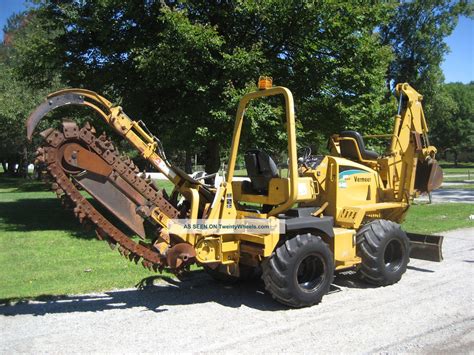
(311, 272)
(393, 255)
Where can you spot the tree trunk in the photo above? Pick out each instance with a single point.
(23, 164)
(188, 165)
(11, 167)
(455, 158)
(4, 166)
(212, 157)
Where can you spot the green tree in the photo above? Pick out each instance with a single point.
(181, 66)
(17, 97)
(417, 33)
(453, 120)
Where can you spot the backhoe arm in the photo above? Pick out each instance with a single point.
(413, 154)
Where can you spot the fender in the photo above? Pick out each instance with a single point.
(318, 224)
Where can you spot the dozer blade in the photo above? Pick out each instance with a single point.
(426, 247)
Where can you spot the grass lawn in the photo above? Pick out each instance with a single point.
(44, 251)
(462, 168)
(425, 218)
(164, 184)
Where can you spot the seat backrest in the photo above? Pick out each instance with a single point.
(260, 168)
(349, 147)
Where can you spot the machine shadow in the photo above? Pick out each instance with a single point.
(350, 279)
(42, 214)
(15, 184)
(156, 293)
(156, 298)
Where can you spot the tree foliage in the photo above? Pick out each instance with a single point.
(181, 66)
(17, 96)
(417, 35)
(453, 119)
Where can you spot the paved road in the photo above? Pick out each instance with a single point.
(430, 309)
(449, 195)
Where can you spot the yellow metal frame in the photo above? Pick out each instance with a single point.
(291, 132)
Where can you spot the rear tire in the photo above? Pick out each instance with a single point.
(300, 271)
(384, 249)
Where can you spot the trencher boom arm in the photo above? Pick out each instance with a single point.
(153, 206)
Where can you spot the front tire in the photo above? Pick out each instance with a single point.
(300, 271)
(384, 249)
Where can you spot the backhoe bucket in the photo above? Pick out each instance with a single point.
(426, 247)
(429, 176)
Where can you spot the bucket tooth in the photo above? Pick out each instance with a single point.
(102, 137)
(46, 132)
(82, 216)
(121, 250)
(90, 127)
(112, 244)
(39, 157)
(146, 264)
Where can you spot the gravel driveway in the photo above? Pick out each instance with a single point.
(430, 309)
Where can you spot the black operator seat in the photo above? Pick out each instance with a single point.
(261, 169)
(349, 150)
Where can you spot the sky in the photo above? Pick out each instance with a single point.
(457, 66)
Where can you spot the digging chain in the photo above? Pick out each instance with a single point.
(66, 190)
